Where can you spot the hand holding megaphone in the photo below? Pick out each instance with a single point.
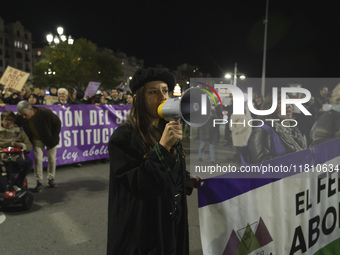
(171, 134)
(193, 107)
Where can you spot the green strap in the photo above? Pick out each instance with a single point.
(164, 164)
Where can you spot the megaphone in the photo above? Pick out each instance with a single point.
(193, 107)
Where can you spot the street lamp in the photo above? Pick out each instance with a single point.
(235, 75)
(54, 40)
(60, 30)
(60, 37)
(49, 38)
(128, 82)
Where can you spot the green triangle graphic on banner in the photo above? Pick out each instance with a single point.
(330, 249)
(248, 242)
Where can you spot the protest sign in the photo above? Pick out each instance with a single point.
(92, 88)
(50, 100)
(14, 78)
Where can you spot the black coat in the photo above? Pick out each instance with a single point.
(142, 196)
(262, 147)
(47, 123)
(326, 128)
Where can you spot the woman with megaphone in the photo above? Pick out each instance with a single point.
(148, 179)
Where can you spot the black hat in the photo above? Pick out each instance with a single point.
(143, 76)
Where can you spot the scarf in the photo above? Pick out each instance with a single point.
(291, 136)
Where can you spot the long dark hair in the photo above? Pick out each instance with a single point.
(139, 120)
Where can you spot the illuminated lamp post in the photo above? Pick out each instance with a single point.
(60, 37)
(235, 75)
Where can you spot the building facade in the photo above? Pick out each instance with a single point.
(15, 47)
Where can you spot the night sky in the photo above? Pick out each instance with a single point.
(303, 38)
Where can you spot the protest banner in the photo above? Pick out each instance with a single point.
(92, 88)
(85, 130)
(14, 78)
(298, 214)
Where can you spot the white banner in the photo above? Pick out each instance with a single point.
(299, 214)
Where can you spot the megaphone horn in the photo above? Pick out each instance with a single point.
(193, 107)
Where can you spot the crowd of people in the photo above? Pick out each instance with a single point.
(148, 177)
(36, 128)
(255, 145)
(63, 96)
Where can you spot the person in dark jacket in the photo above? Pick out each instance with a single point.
(208, 134)
(53, 91)
(148, 182)
(13, 99)
(320, 99)
(273, 139)
(42, 127)
(80, 97)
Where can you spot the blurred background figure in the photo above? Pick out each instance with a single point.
(25, 92)
(80, 97)
(41, 96)
(115, 97)
(53, 90)
(257, 103)
(11, 97)
(100, 99)
(208, 135)
(321, 99)
(128, 98)
(63, 97)
(240, 133)
(327, 127)
(273, 140)
(33, 99)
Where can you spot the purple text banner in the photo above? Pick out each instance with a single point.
(85, 130)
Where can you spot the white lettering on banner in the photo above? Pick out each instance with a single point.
(68, 117)
(78, 118)
(70, 155)
(93, 117)
(96, 136)
(78, 133)
(121, 116)
(105, 136)
(99, 117)
(119, 119)
(93, 151)
(80, 137)
(88, 132)
(67, 139)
